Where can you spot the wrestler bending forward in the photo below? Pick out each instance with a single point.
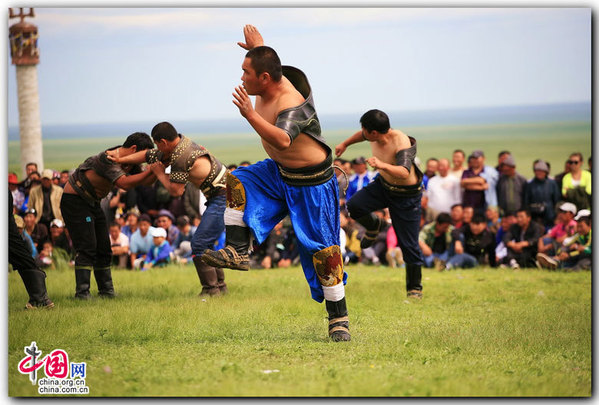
(298, 180)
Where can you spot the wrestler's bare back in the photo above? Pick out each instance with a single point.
(385, 150)
(304, 151)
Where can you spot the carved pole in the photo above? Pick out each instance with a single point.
(25, 55)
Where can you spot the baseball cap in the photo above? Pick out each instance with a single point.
(582, 213)
(47, 174)
(509, 161)
(478, 153)
(541, 165)
(359, 161)
(166, 213)
(568, 207)
(157, 232)
(57, 223)
(31, 211)
(12, 178)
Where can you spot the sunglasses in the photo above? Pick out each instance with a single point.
(573, 162)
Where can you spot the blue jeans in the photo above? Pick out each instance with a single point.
(211, 226)
(463, 260)
(429, 260)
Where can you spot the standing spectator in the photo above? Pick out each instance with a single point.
(565, 226)
(119, 243)
(577, 255)
(191, 200)
(491, 176)
(501, 156)
(361, 177)
(18, 196)
(443, 190)
(37, 231)
(141, 241)
(560, 177)
(64, 177)
(432, 165)
(435, 241)
(165, 220)
(146, 200)
(474, 184)
(56, 178)
(30, 169)
(542, 195)
(521, 241)
(458, 158)
(511, 187)
(160, 254)
(577, 185)
(473, 245)
(45, 199)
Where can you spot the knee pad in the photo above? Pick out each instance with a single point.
(328, 264)
(235, 193)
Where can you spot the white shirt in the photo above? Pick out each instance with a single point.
(443, 192)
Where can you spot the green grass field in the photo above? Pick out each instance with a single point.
(483, 332)
(551, 141)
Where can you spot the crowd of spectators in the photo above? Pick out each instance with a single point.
(472, 214)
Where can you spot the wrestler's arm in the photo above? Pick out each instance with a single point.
(174, 189)
(273, 135)
(399, 172)
(355, 138)
(128, 182)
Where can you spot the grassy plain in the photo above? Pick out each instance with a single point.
(483, 332)
(551, 141)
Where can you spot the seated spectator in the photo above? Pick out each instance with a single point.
(457, 215)
(60, 238)
(521, 241)
(506, 222)
(119, 243)
(473, 245)
(165, 220)
(44, 258)
(182, 246)
(131, 223)
(394, 254)
(160, 254)
(577, 185)
(467, 216)
(141, 241)
(435, 241)
(281, 247)
(28, 241)
(37, 231)
(565, 226)
(494, 222)
(64, 177)
(377, 251)
(18, 197)
(353, 251)
(541, 195)
(576, 255)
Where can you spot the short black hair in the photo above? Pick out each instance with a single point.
(524, 210)
(457, 205)
(460, 151)
(31, 163)
(444, 218)
(375, 120)
(265, 59)
(139, 139)
(114, 223)
(586, 219)
(478, 219)
(164, 130)
(434, 159)
(503, 152)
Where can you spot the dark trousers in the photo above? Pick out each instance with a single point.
(88, 230)
(20, 258)
(405, 211)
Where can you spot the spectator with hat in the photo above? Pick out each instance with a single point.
(60, 238)
(565, 226)
(28, 241)
(18, 197)
(141, 241)
(159, 254)
(542, 195)
(577, 252)
(361, 177)
(166, 221)
(37, 231)
(511, 187)
(45, 199)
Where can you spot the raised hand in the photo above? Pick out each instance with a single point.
(242, 101)
(252, 38)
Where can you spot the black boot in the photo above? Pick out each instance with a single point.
(414, 280)
(220, 278)
(207, 275)
(235, 253)
(35, 284)
(104, 280)
(372, 223)
(82, 280)
(338, 321)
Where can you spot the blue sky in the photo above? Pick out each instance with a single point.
(122, 65)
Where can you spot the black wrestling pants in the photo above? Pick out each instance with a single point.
(88, 230)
